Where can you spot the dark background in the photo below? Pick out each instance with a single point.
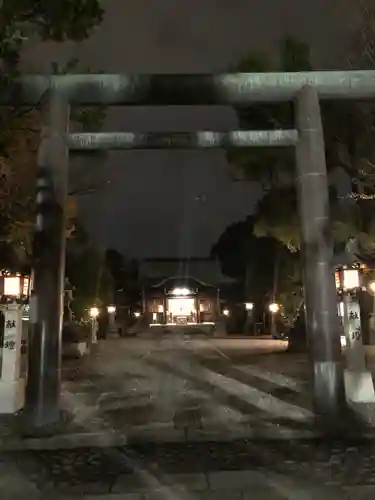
(178, 203)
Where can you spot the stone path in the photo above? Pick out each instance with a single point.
(177, 420)
(169, 394)
(172, 390)
(273, 470)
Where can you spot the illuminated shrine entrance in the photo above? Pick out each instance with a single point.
(182, 292)
(181, 307)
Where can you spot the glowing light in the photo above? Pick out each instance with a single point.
(137, 314)
(371, 287)
(94, 312)
(341, 309)
(181, 291)
(337, 280)
(226, 312)
(359, 196)
(249, 306)
(111, 309)
(351, 279)
(12, 286)
(160, 308)
(181, 306)
(274, 308)
(26, 282)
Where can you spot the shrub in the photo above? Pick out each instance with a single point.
(75, 332)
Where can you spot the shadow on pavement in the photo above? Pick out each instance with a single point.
(324, 465)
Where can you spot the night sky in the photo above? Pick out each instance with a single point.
(178, 203)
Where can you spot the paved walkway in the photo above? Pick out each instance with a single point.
(169, 472)
(177, 419)
(176, 390)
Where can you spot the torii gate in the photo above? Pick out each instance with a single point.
(56, 93)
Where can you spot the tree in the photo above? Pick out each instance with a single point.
(59, 21)
(88, 273)
(349, 132)
(348, 129)
(20, 127)
(281, 220)
(269, 166)
(263, 265)
(359, 15)
(90, 278)
(231, 249)
(125, 275)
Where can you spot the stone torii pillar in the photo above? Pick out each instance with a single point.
(42, 404)
(322, 323)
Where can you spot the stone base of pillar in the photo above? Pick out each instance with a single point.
(12, 396)
(359, 386)
(94, 332)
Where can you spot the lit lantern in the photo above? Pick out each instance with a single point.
(348, 279)
(337, 280)
(14, 285)
(94, 312)
(274, 308)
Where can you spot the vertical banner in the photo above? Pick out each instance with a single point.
(355, 353)
(11, 356)
(354, 322)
